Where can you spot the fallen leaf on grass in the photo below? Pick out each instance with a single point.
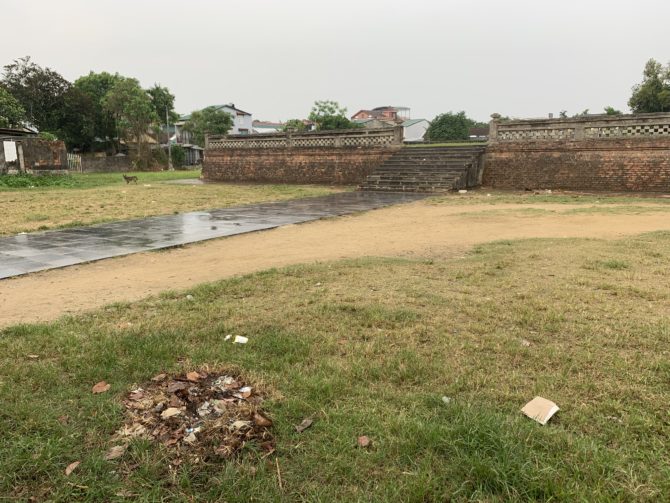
(71, 467)
(101, 387)
(136, 395)
(169, 412)
(158, 377)
(363, 441)
(32, 357)
(193, 376)
(306, 423)
(115, 452)
(262, 420)
(176, 386)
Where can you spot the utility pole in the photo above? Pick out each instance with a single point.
(169, 147)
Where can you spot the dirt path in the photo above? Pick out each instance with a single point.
(414, 230)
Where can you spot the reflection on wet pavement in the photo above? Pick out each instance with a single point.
(39, 251)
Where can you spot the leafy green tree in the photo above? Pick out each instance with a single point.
(40, 92)
(653, 94)
(12, 113)
(449, 126)
(163, 101)
(96, 86)
(209, 120)
(294, 125)
(612, 111)
(134, 112)
(178, 155)
(45, 135)
(328, 115)
(77, 120)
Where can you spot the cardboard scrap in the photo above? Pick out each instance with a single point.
(540, 409)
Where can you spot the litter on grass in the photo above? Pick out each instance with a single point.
(198, 415)
(540, 409)
(306, 423)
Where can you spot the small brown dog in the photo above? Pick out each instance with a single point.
(129, 179)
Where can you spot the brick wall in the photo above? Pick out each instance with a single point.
(329, 165)
(108, 164)
(608, 165)
(44, 156)
(344, 157)
(609, 153)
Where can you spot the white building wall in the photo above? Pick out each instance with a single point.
(416, 131)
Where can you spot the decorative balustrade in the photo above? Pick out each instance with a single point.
(349, 138)
(590, 127)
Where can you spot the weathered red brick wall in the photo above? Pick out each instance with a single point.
(634, 164)
(343, 166)
(43, 155)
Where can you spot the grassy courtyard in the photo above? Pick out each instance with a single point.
(370, 347)
(85, 199)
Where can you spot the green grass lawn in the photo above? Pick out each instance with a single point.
(89, 180)
(91, 198)
(369, 347)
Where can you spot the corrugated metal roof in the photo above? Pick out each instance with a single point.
(411, 122)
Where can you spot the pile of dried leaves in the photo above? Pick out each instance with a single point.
(198, 415)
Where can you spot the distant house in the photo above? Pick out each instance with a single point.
(414, 130)
(242, 121)
(393, 113)
(177, 135)
(374, 123)
(479, 133)
(259, 127)
(19, 131)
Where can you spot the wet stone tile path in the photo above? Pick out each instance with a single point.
(39, 251)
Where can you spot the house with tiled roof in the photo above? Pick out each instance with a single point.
(393, 113)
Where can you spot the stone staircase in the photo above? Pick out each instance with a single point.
(427, 169)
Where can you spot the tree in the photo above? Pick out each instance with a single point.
(134, 112)
(449, 126)
(12, 113)
(96, 86)
(653, 94)
(328, 115)
(612, 111)
(294, 125)
(76, 120)
(39, 90)
(209, 120)
(163, 101)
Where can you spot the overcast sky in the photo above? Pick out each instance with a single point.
(523, 58)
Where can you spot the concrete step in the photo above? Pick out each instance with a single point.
(424, 169)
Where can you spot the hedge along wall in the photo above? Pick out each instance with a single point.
(330, 157)
(608, 153)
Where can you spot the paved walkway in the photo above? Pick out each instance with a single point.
(39, 251)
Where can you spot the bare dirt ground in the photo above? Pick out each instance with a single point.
(414, 230)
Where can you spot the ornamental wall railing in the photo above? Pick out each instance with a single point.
(589, 127)
(346, 138)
